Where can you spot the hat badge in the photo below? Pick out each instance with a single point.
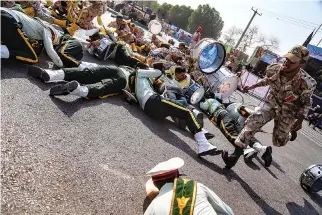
(295, 51)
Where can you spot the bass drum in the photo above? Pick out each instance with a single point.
(155, 27)
(210, 55)
(311, 179)
(223, 82)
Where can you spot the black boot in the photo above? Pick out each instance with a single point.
(63, 89)
(267, 156)
(293, 135)
(199, 117)
(38, 72)
(129, 98)
(231, 160)
(209, 136)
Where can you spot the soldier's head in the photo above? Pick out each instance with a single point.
(182, 47)
(295, 59)
(119, 19)
(180, 73)
(165, 172)
(7, 4)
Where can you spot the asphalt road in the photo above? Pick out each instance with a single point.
(67, 155)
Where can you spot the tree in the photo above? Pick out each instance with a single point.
(231, 35)
(209, 19)
(250, 38)
(163, 10)
(179, 15)
(253, 38)
(272, 43)
(151, 4)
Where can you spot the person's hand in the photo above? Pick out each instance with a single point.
(58, 62)
(297, 125)
(95, 43)
(246, 89)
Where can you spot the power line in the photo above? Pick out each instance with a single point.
(293, 22)
(297, 24)
(291, 18)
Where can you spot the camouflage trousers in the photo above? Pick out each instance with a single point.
(283, 122)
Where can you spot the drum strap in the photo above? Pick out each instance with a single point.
(184, 83)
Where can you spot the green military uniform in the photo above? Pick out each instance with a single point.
(280, 105)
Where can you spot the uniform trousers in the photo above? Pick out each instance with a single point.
(102, 81)
(283, 122)
(159, 107)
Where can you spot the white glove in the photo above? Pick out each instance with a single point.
(58, 62)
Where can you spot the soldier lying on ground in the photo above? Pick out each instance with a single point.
(23, 38)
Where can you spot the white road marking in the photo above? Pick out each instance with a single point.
(116, 172)
(307, 134)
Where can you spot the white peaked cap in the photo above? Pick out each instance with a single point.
(166, 166)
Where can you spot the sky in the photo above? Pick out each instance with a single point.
(279, 18)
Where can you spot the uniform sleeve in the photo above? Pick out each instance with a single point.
(149, 210)
(271, 73)
(142, 73)
(218, 205)
(305, 100)
(50, 48)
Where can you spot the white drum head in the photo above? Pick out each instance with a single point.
(197, 96)
(211, 57)
(155, 27)
(227, 86)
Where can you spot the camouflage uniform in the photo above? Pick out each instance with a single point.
(278, 107)
(38, 9)
(123, 31)
(70, 9)
(86, 16)
(138, 33)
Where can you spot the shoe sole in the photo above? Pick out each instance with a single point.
(129, 97)
(250, 158)
(63, 89)
(267, 156)
(209, 136)
(210, 152)
(37, 72)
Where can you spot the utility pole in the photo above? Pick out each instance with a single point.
(250, 21)
(319, 42)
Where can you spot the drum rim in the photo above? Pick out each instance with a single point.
(305, 175)
(199, 88)
(154, 21)
(310, 167)
(215, 42)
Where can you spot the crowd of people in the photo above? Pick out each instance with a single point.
(155, 76)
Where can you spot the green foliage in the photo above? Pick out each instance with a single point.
(188, 19)
(179, 15)
(163, 10)
(209, 19)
